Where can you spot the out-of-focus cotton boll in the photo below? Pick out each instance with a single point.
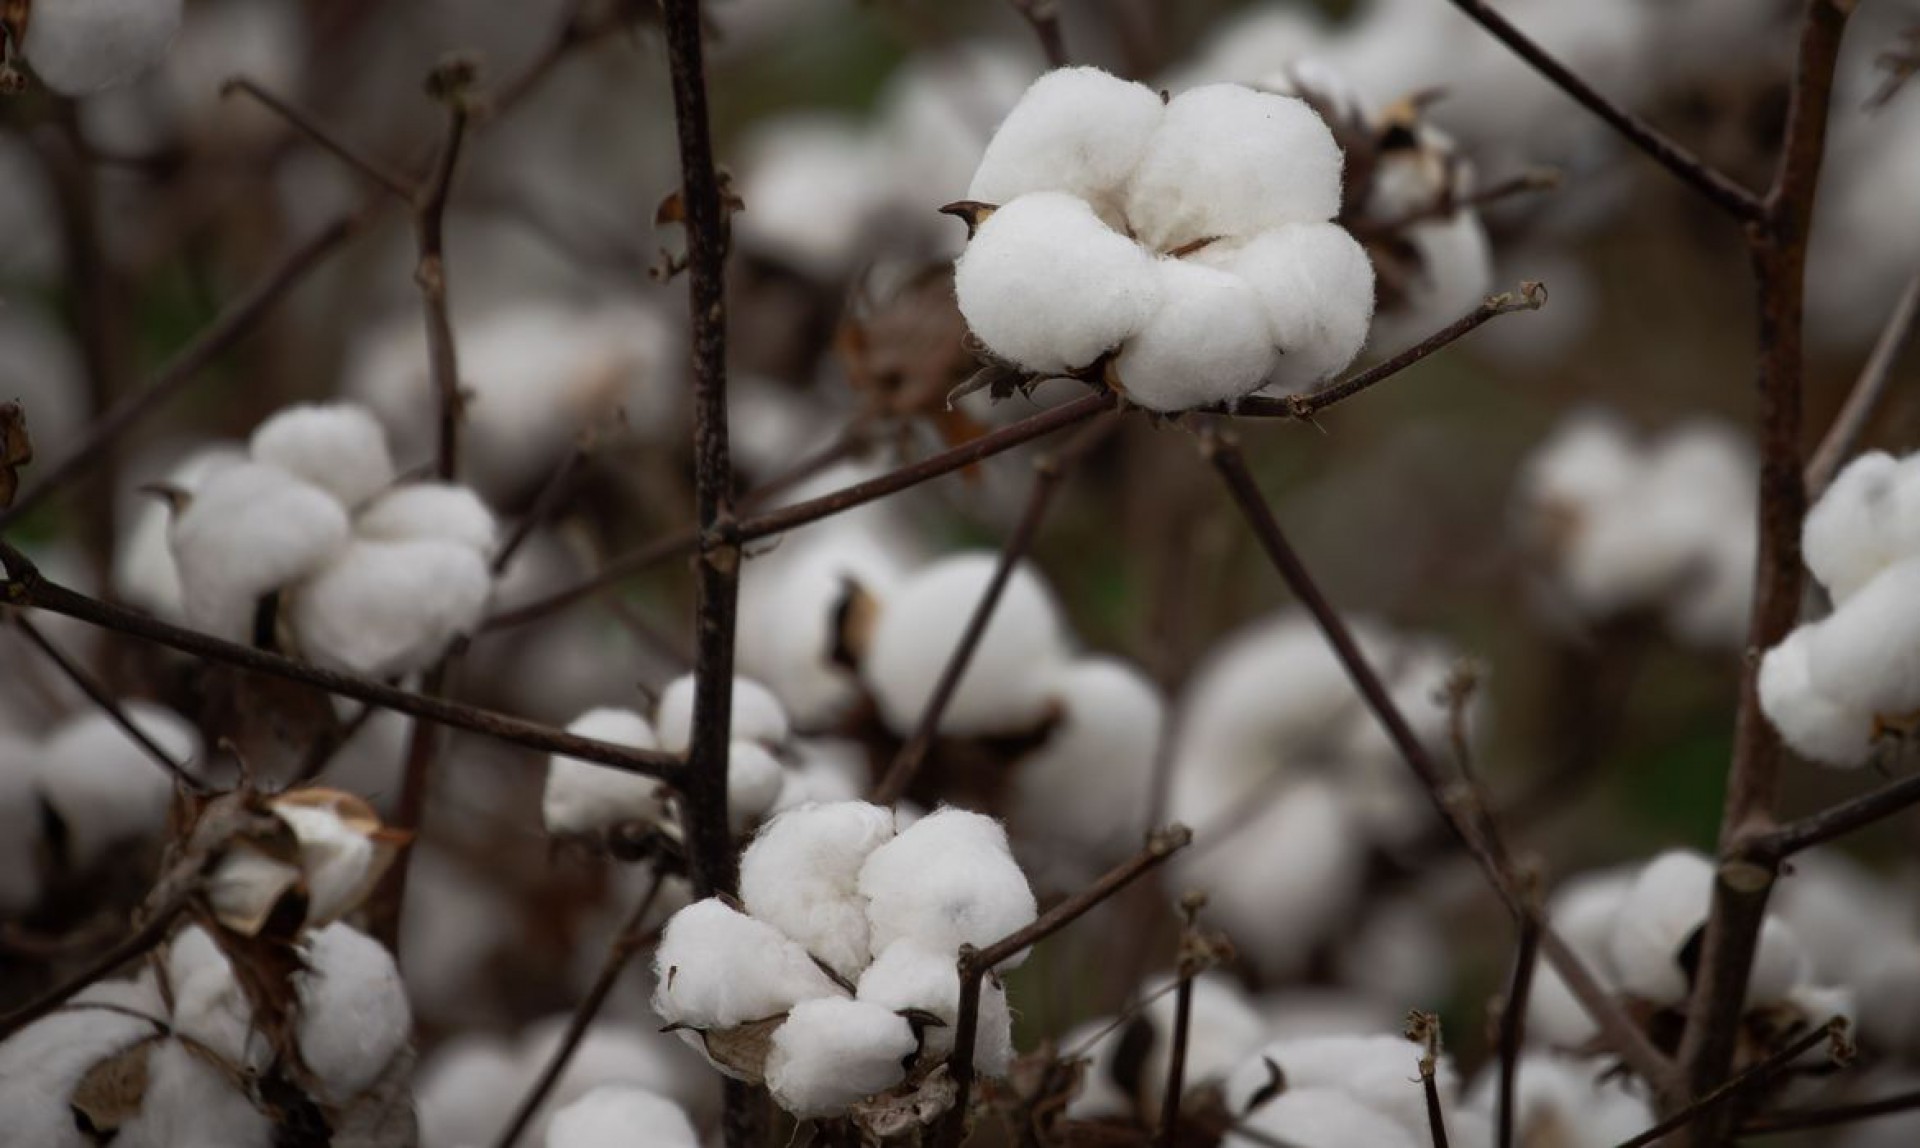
(338, 447)
(1009, 283)
(716, 968)
(144, 574)
(1583, 911)
(608, 1117)
(1378, 1072)
(435, 510)
(1076, 130)
(582, 797)
(756, 714)
(1867, 652)
(1321, 1118)
(1862, 253)
(353, 1011)
(834, 1052)
(1666, 905)
(258, 39)
(78, 47)
(1566, 1102)
(1816, 726)
(945, 881)
(911, 975)
(812, 183)
(921, 624)
(1224, 1028)
(937, 113)
(389, 608)
(250, 529)
(826, 770)
(1317, 288)
(1081, 799)
(103, 785)
(802, 872)
(1453, 275)
(40, 369)
(1250, 44)
(1843, 913)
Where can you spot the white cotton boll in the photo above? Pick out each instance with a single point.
(755, 780)
(611, 1115)
(247, 884)
(1379, 1072)
(1866, 654)
(1316, 286)
(102, 783)
(582, 797)
(1660, 913)
(249, 530)
(388, 608)
(334, 857)
(1813, 724)
(937, 113)
(1228, 162)
(435, 510)
(464, 1093)
(833, 1053)
(1003, 689)
(1589, 460)
(1252, 42)
(610, 1053)
(1584, 911)
(1321, 1118)
(144, 574)
(40, 1064)
(1083, 794)
(716, 968)
(1209, 341)
(1076, 130)
(210, 1008)
(1223, 1029)
(945, 881)
(755, 714)
(189, 1100)
(353, 1011)
(910, 975)
(338, 447)
(78, 47)
(1780, 964)
(801, 874)
(1454, 275)
(1569, 1103)
(1047, 285)
(812, 184)
(827, 770)
(1847, 536)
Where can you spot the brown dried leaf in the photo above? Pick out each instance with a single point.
(743, 1048)
(109, 1094)
(887, 1116)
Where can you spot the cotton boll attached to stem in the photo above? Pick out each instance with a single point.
(388, 608)
(1866, 654)
(430, 510)
(757, 715)
(582, 797)
(801, 874)
(717, 968)
(911, 975)
(337, 447)
(1083, 794)
(945, 881)
(832, 1053)
(354, 1017)
(1316, 285)
(1813, 724)
(248, 531)
(102, 784)
(1076, 130)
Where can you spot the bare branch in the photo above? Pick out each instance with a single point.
(304, 123)
(1715, 1101)
(1843, 437)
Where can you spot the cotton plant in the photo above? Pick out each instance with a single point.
(1181, 252)
(1289, 782)
(79, 47)
(836, 978)
(361, 572)
(1835, 688)
(1618, 526)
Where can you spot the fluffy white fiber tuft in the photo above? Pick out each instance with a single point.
(1209, 341)
(716, 967)
(756, 714)
(910, 975)
(1316, 285)
(1816, 726)
(354, 1017)
(947, 880)
(1321, 1118)
(609, 1117)
(338, 447)
(430, 510)
(582, 797)
(1076, 130)
(104, 787)
(248, 531)
(833, 1052)
(802, 872)
(388, 608)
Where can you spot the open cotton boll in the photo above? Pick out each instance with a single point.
(937, 112)
(1076, 130)
(1568, 1103)
(1813, 724)
(833, 1053)
(1666, 904)
(389, 608)
(1046, 284)
(582, 797)
(801, 874)
(1208, 342)
(1455, 273)
(189, 1100)
(335, 858)
(1589, 459)
(911, 975)
(102, 783)
(338, 447)
(609, 1116)
(144, 574)
(755, 714)
(437, 510)
(249, 530)
(716, 968)
(812, 183)
(1849, 533)
(921, 625)
(1378, 1072)
(353, 1010)
(946, 880)
(1226, 160)
(1084, 793)
(210, 1008)
(611, 1053)
(41, 1064)
(78, 47)
(1866, 654)
(1316, 285)
(1321, 1118)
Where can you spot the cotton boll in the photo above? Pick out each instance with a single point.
(945, 881)
(582, 797)
(1223, 1029)
(353, 1011)
(812, 184)
(191, 1101)
(336, 858)
(1571, 1103)
(755, 780)
(1583, 911)
(1316, 286)
(210, 1008)
(717, 968)
(1455, 273)
(1076, 130)
(609, 1116)
(1002, 690)
(1846, 536)
(937, 113)
(1321, 1118)
(388, 608)
(78, 47)
(1208, 342)
(465, 1091)
(144, 574)
(801, 874)
(911, 975)
(1249, 44)
(1667, 903)
(41, 1063)
(249, 530)
(1083, 794)
(833, 1053)
(1379, 1072)
(828, 770)
(1047, 285)
(1587, 461)
(338, 447)
(1843, 913)
(756, 715)
(1813, 724)
(612, 1053)
(102, 783)
(435, 510)
(1866, 654)
(1780, 964)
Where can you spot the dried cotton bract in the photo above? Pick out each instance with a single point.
(1189, 241)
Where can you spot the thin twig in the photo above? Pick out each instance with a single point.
(1424, 1028)
(304, 123)
(1513, 1029)
(1844, 435)
(1802, 1119)
(1838, 821)
(546, 503)
(1737, 201)
(136, 944)
(1834, 1032)
(629, 941)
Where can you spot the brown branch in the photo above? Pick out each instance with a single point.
(1778, 242)
(1513, 1030)
(546, 503)
(1831, 824)
(1715, 1101)
(25, 586)
(1844, 435)
(1730, 197)
(318, 133)
(135, 945)
(1802, 1119)
(630, 941)
(1424, 1028)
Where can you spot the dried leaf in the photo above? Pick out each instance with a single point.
(887, 1116)
(743, 1048)
(16, 450)
(109, 1094)
(855, 617)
